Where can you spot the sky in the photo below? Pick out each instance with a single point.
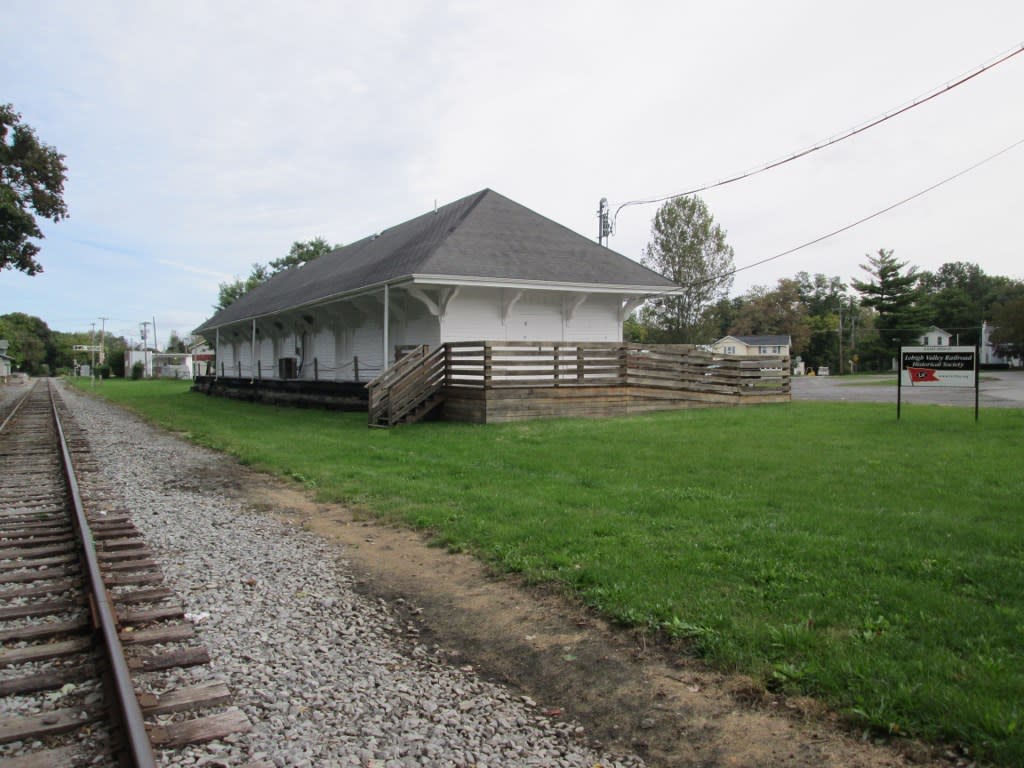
(201, 137)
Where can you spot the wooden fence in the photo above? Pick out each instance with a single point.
(678, 367)
(491, 381)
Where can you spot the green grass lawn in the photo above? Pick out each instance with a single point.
(889, 380)
(825, 549)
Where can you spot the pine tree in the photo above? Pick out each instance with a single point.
(893, 294)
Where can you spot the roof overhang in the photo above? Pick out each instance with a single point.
(637, 291)
(539, 285)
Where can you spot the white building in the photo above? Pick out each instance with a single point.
(160, 365)
(480, 268)
(989, 353)
(6, 363)
(935, 337)
(753, 345)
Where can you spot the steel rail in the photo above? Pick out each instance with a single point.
(126, 704)
(14, 410)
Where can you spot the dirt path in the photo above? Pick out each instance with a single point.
(627, 695)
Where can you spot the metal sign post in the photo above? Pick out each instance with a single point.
(899, 386)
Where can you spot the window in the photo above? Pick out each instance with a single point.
(730, 350)
(938, 341)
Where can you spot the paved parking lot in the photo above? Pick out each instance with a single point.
(999, 389)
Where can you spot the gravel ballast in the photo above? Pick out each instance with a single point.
(327, 676)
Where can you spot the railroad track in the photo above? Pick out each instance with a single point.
(92, 645)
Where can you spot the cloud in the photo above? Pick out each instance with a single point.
(198, 270)
(203, 137)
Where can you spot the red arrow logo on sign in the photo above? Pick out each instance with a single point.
(922, 374)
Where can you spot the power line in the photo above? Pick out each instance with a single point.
(858, 222)
(935, 92)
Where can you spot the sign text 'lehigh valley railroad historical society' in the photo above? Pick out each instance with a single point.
(938, 366)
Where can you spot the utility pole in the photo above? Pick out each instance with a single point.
(103, 347)
(92, 344)
(603, 224)
(839, 333)
(144, 331)
(853, 334)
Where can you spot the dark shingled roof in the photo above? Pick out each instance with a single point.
(483, 236)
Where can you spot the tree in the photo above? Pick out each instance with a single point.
(688, 248)
(633, 330)
(722, 315)
(825, 298)
(32, 176)
(63, 345)
(956, 298)
(228, 293)
(302, 252)
(893, 294)
(1008, 319)
(31, 339)
(175, 343)
(116, 347)
(777, 311)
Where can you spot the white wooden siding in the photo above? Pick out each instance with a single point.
(342, 355)
(473, 315)
(596, 319)
(367, 344)
(537, 316)
(244, 357)
(268, 365)
(354, 328)
(323, 353)
(417, 326)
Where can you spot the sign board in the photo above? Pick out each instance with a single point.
(87, 348)
(938, 366)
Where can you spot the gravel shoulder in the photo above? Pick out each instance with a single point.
(352, 643)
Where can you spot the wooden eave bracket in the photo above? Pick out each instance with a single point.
(629, 305)
(437, 308)
(508, 302)
(571, 303)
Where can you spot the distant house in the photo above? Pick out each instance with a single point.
(753, 345)
(159, 365)
(935, 337)
(990, 354)
(203, 358)
(6, 363)
(483, 267)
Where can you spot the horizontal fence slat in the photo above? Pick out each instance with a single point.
(645, 375)
(551, 362)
